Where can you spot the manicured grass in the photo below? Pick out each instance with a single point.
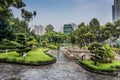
(105, 67)
(34, 56)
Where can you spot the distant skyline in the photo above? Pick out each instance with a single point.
(60, 12)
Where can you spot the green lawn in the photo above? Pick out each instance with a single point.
(33, 56)
(105, 67)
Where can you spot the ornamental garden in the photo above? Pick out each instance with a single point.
(19, 45)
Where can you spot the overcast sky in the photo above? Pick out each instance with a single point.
(60, 12)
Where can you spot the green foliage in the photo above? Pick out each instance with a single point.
(95, 48)
(109, 54)
(44, 43)
(28, 16)
(49, 28)
(7, 47)
(104, 54)
(23, 48)
(20, 26)
(34, 56)
(54, 37)
(9, 26)
(109, 67)
(86, 34)
(51, 46)
(31, 41)
(117, 50)
(21, 39)
(5, 30)
(5, 4)
(9, 43)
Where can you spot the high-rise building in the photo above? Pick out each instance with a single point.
(68, 28)
(116, 10)
(39, 30)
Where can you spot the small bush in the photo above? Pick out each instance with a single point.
(52, 46)
(9, 43)
(44, 43)
(22, 49)
(7, 47)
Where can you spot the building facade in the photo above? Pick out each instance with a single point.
(68, 28)
(116, 10)
(39, 30)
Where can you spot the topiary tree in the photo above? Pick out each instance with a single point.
(95, 49)
(23, 48)
(101, 53)
(31, 41)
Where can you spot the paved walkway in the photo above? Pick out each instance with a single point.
(63, 69)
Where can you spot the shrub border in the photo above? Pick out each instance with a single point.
(32, 64)
(98, 72)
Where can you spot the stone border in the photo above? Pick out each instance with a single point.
(98, 72)
(33, 64)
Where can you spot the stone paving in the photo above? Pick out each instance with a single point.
(63, 69)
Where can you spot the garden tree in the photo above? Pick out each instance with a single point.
(95, 26)
(104, 34)
(61, 37)
(21, 39)
(101, 53)
(73, 37)
(89, 36)
(113, 31)
(49, 28)
(82, 33)
(5, 11)
(86, 34)
(27, 16)
(6, 30)
(95, 50)
(20, 26)
(110, 28)
(31, 41)
(23, 47)
(38, 38)
(6, 16)
(54, 37)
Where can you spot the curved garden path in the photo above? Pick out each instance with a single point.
(63, 69)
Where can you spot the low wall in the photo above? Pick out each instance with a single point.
(76, 53)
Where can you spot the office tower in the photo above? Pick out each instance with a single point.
(116, 10)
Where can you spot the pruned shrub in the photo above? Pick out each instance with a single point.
(52, 46)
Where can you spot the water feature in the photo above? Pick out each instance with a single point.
(63, 69)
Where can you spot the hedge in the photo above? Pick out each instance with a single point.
(7, 47)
